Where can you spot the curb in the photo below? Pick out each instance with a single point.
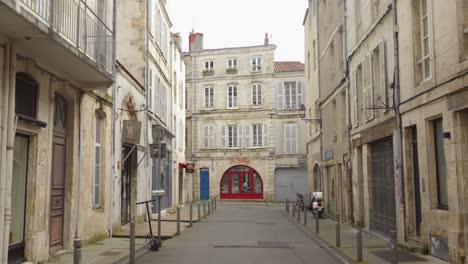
(330, 249)
(138, 253)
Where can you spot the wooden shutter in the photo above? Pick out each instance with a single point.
(370, 90)
(223, 136)
(354, 104)
(300, 94)
(247, 140)
(205, 137)
(280, 96)
(239, 136)
(383, 75)
(265, 135)
(293, 138)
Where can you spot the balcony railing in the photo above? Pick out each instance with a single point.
(77, 24)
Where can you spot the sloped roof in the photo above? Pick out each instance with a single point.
(289, 66)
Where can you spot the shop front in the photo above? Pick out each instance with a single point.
(241, 182)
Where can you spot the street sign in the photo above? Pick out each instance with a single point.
(154, 151)
(158, 133)
(189, 167)
(131, 131)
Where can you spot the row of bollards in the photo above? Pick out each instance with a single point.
(209, 206)
(393, 240)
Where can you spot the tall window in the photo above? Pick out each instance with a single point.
(290, 138)
(256, 63)
(441, 166)
(232, 63)
(181, 94)
(26, 95)
(257, 94)
(97, 165)
(257, 135)
(209, 97)
(232, 96)
(425, 61)
(209, 65)
(293, 95)
(150, 89)
(232, 136)
(208, 137)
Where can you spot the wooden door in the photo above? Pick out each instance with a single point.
(57, 193)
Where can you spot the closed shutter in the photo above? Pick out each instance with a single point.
(205, 137)
(287, 136)
(354, 104)
(239, 136)
(247, 140)
(280, 96)
(265, 135)
(223, 136)
(150, 89)
(383, 75)
(300, 94)
(370, 90)
(211, 136)
(293, 138)
(365, 88)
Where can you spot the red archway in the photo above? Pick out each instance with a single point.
(241, 182)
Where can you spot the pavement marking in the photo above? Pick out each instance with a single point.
(251, 246)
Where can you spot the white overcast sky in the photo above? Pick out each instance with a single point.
(235, 23)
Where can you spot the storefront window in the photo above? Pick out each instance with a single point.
(246, 184)
(235, 183)
(258, 183)
(225, 185)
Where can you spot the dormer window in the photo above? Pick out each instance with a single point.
(256, 64)
(209, 65)
(232, 63)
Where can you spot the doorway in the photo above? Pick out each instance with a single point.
(204, 184)
(125, 186)
(416, 180)
(18, 199)
(57, 193)
(241, 182)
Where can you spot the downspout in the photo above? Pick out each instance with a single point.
(348, 111)
(400, 196)
(77, 240)
(319, 94)
(194, 116)
(113, 115)
(149, 194)
(10, 141)
(3, 123)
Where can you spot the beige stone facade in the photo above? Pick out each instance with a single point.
(430, 209)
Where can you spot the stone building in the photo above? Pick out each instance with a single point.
(56, 125)
(415, 185)
(238, 137)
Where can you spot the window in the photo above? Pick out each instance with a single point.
(232, 63)
(356, 84)
(257, 94)
(256, 64)
(209, 65)
(259, 135)
(232, 136)
(441, 166)
(379, 77)
(26, 95)
(208, 137)
(157, 18)
(232, 97)
(290, 95)
(368, 93)
(290, 138)
(150, 89)
(425, 52)
(181, 94)
(97, 165)
(209, 97)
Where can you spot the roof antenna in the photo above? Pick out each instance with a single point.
(193, 24)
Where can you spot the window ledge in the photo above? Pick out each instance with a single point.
(31, 120)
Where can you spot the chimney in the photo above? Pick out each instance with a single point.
(267, 40)
(177, 39)
(195, 41)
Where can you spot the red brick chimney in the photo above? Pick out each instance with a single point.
(195, 41)
(267, 40)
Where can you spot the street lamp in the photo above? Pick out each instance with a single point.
(302, 113)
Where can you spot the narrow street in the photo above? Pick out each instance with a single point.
(241, 232)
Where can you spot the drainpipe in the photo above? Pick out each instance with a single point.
(114, 94)
(3, 122)
(10, 141)
(319, 94)
(77, 240)
(399, 184)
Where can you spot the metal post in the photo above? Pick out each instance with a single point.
(294, 211)
(209, 207)
(338, 237)
(359, 242)
(305, 216)
(159, 218)
(317, 228)
(204, 208)
(298, 214)
(191, 214)
(393, 245)
(178, 220)
(214, 203)
(198, 204)
(132, 242)
(286, 204)
(77, 251)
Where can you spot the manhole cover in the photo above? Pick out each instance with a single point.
(110, 253)
(403, 256)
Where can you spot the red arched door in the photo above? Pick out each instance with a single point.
(241, 182)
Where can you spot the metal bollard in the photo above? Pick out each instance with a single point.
(317, 228)
(338, 237)
(199, 214)
(214, 204)
(359, 242)
(178, 220)
(286, 204)
(191, 214)
(393, 245)
(204, 208)
(305, 216)
(299, 215)
(294, 211)
(209, 206)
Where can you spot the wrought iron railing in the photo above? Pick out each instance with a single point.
(78, 24)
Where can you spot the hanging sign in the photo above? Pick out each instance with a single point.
(131, 131)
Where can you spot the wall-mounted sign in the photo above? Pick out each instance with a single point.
(439, 248)
(189, 167)
(155, 151)
(131, 132)
(158, 133)
(329, 154)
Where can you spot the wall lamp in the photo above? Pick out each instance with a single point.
(302, 112)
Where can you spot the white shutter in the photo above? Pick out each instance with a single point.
(280, 96)
(239, 136)
(383, 75)
(265, 135)
(223, 136)
(247, 140)
(211, 136)
(205, 137)
(293, 138)
(286, 139)
(354, 104)
(370, 90)
(365, 88)
(300, 94)
(214, 136)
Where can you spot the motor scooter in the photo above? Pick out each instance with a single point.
(316, 204)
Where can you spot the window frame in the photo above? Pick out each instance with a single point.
(256, 92)
(208, 97)
(235, 96)
(208, 65)
(256, 63)
(425, 57)
(257, 138)
(234, 137)
(232, 60)
(290, 140)
(97, 167)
